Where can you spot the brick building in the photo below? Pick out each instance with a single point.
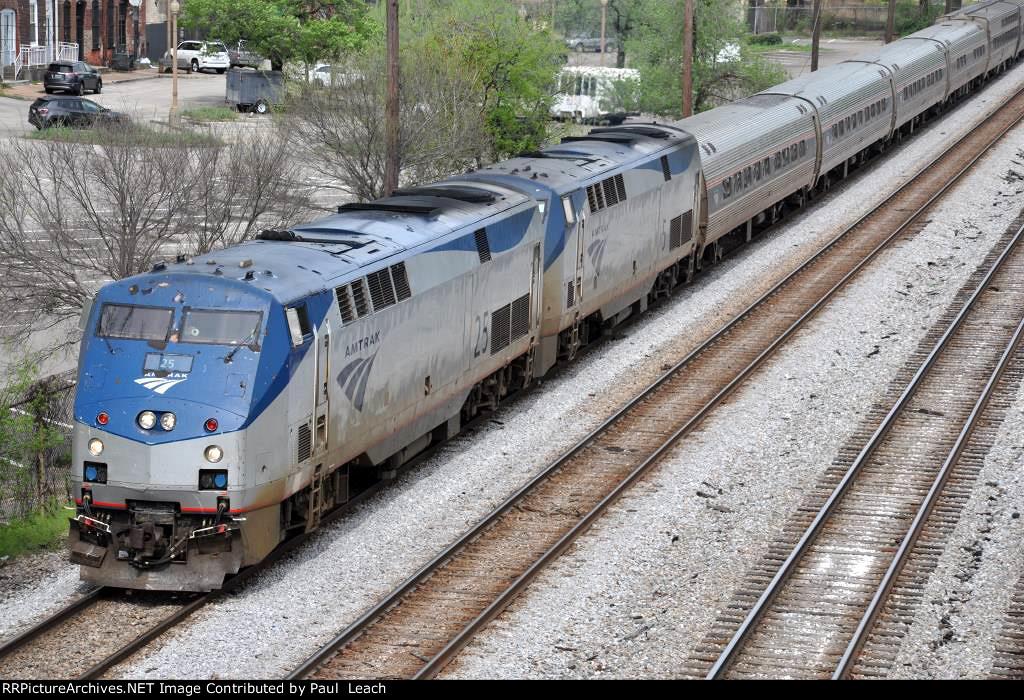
(34, 30)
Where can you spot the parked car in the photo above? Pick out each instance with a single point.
(325, 75)
(184, 64)
(583, 43)
(71, 111)
(72, 76)
(241, 57)
(205, 55)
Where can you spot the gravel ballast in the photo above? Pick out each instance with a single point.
(635, 595)
(629, 573)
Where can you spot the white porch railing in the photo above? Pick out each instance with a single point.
(31, 56)
(34, 56)
(17, 66)
(67, 52)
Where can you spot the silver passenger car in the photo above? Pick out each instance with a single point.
(854, 106)
(919, 75)
(966, 45)
(1002, 23)
(755, 153)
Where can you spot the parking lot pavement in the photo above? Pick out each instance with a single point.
(13, 117)
(144, 97)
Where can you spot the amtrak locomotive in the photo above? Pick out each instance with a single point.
(231, 399)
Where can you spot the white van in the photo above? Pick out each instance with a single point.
(594, 94)
(202, 55)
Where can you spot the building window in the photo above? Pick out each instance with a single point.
(110, 24)
(33, 20)
(67, 21)
(96, 24)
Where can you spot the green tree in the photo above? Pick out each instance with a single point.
(284, 30)
(723, 69)
(622, 19)
(515, 64)
(26, 437)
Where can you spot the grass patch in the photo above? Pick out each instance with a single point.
(126, 136)
(43, 530)
(786, 45)
(211, 114)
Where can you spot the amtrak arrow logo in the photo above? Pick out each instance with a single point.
(353, 378)
(596, 252)
(159, 385)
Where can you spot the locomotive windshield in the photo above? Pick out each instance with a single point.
(221, 327)
(135, 322)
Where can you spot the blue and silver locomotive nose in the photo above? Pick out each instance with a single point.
(173, 368)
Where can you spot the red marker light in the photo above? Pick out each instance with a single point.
(103, 418)
(212, 425)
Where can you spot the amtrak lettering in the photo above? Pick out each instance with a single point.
(362, 344)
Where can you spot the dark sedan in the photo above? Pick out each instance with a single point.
(71, 111)
(72, 76)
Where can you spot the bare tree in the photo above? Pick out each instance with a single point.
(74, 215)
(340, 129)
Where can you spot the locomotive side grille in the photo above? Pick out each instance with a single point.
(500, 328)
(520, 317)
(381, 290)
(570, 295)
(608, 192)
(359, 298)
(344, 304)
(483, 247)
(680, 230)
(665, 169)
(611, 196)
(305, 443)
(401, 279)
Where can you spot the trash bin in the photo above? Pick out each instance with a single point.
(123, 61)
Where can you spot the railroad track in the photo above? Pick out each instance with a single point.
(818, 611)
(1009, 651)
(65, 644)
(418, 628)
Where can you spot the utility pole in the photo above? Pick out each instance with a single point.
(604, 19)
(687, 85)
(391, 148)
(173, 118)
(890, 22)
(815, 34)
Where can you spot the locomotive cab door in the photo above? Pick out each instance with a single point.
(321, 400)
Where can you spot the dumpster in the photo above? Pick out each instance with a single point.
(254, 90)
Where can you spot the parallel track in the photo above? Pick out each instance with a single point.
(1009, 651)
(815, 615)
(417, 629)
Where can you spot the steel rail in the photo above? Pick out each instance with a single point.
(863, 630)
(64, 613)
(731, 650)
(231, 584)
(394, 598)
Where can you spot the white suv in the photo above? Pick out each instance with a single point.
(199, 55)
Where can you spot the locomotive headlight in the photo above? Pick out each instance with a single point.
(147, 419)
(213, 454)
(167, 421)
(96, 447)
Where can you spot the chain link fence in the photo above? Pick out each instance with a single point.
(35, 465)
